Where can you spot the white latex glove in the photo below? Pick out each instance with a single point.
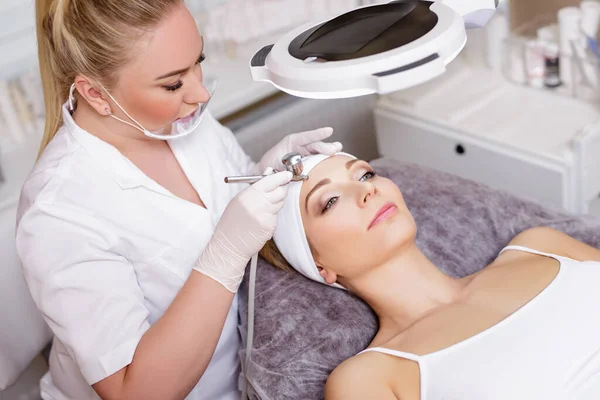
(305, 143)
(247, 223)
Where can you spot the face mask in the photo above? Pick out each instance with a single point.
(179, 128)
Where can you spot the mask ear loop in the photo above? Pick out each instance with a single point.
(72, 98)
(139, 127)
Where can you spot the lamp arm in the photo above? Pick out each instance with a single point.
(476, 13)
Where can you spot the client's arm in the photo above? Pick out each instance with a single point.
(374, 376)
(552, 241)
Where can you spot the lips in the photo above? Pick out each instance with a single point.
(384, 213)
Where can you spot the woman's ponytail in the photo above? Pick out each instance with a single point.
(47, 28)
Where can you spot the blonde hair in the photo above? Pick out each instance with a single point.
(90, 38)
(270, 252)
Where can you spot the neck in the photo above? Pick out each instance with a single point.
(116, 133)
(406, 289)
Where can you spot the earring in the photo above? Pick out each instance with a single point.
(108, 112)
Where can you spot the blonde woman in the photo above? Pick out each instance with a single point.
(523, 327)
(132, 245)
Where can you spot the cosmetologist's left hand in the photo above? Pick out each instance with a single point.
(305, 143)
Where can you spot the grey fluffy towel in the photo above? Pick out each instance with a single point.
(303, 329)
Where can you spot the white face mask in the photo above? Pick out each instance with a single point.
(179, 128)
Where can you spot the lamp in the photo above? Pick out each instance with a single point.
(378, 48)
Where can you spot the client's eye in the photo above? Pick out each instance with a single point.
(329, 204)
(368, 175)
(201, 58)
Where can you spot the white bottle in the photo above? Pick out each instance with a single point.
(496, 33)
(569, 21)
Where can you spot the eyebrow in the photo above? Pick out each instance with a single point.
(323, 182)
(182, 70)
(351, 162)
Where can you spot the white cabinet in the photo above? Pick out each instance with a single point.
(472, 123)
(406, 139)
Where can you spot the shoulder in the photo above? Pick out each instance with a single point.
(59, 203)
(551, 240)
(64, 162)
(355, 378)
(66, 176)
(539, 235)
(543, 238)
(370, 375)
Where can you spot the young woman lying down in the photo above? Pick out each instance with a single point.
(524, 327)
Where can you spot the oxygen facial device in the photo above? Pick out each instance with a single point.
(291, 161)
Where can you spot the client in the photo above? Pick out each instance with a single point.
(524, 327)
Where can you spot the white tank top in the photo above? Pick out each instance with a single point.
(548, 349)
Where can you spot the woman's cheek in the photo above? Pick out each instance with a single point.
(323, 236)
(337, 229)
(163, 111)
(155, 111)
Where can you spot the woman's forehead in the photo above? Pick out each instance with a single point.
(329, 168)
(333, 164)
(173, 45)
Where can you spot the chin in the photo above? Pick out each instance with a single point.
(397, 231)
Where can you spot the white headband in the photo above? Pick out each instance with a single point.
(289, 236)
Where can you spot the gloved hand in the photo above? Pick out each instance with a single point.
(305, 143)
(247, 223)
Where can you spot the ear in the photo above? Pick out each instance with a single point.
(92, 95)
(329, 276)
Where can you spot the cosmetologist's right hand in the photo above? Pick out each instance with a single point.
(247, 223)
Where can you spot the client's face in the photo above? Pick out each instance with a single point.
(354, 219)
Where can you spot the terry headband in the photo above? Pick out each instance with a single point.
(289, 235)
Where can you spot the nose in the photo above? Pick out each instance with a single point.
(197, 92)
(367, 190)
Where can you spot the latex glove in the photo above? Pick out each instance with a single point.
(247, 223)
(305, 143)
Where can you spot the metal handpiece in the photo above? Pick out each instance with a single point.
(243, 179)
(292, 163)
(256, 178)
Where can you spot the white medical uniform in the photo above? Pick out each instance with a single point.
(105, 250)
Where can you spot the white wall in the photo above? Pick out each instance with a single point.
(17, 36)
(351, 120)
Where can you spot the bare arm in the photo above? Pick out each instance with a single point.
(553, 241)
(174, 353)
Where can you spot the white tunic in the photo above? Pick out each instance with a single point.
(105, 250)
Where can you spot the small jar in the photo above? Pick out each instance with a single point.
(552, 64)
